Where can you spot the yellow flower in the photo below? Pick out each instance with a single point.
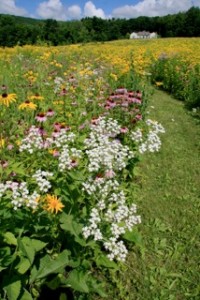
(2, 142)
(57, 102)
(159, 83)
(27, 105)
(35, 97)
(53, 204)
(6, 99)
(113, 76)
(18, 142)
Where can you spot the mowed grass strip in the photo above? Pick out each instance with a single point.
(166, 264)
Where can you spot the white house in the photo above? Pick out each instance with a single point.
(143, 35)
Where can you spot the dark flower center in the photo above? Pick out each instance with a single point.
(4, 95)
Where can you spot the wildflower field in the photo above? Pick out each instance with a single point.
(74, 127)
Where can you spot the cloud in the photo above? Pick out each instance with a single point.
(153, 8)
(9, 7)
(90, 10)
(53, 9)
(74, 12)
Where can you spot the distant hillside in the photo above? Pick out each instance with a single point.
(22, 30)
(23, 20)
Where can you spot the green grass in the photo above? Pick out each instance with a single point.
(166, 265)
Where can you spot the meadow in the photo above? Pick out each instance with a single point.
(85, 179)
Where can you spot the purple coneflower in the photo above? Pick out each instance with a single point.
(41, 117)
(50, 113)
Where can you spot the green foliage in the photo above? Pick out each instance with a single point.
(177, 77)
(16, 30)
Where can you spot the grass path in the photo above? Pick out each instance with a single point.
(167, 265)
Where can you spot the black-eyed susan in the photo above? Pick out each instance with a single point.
(53, 204)
(6, 99)
(27, 105)
(35, 97)
(2, 142)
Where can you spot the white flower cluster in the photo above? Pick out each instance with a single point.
(41, 179)
(112, 214)
(32, 141)
(156, 127)
(100, 185)
(60, 138)
(58, 81)
(150, 142)
(3, 188)
(35, 141)
(137, 135)
(68, 158)
(108, 127)
(117, 249)
(103, 149)
(92, 229)
(19, 194)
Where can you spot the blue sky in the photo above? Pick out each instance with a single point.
(76, 9)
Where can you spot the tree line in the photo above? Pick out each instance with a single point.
(21, 31)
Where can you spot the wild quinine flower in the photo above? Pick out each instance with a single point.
(67, 158)
(41, 179)
(137, 135)
(32, 200)
(61, 138)
(32, 141)
(92, 228)
(156, 127)
(103, 149)
(108, 127)
(111, 212)
(151, 141)
(100, 185)
(19, 194)
(3, 189)
(117, 249)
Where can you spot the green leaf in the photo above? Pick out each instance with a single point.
(133, 236)
(105, 262)
(96, 287)
(54, 283)
(13, 290)
(78, 281)
(63, 297)
(49, 265)
(25, 245)
(38, 245)
(68, 224)
(26, 295)
(10, 239)
(23, 265)
(6, 257)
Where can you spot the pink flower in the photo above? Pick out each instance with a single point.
(138, 117)
(124, 130)
(110, 174)
(4, 163)
(73, 163)
(10, 147)
(63, 92)
(56, 153)
(41, 117)
(50, 113)
(57, 126)
(121, 90)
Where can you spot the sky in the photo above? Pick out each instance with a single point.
(77, 9)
